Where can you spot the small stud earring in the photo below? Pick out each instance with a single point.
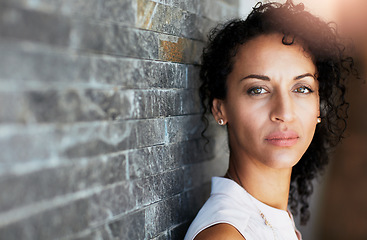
(220, 122)
(318, 120)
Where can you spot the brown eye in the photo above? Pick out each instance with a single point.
(256, 91)
(303, 89)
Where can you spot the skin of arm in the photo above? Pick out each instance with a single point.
(221, 231)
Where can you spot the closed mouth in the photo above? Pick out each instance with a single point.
(283, 139)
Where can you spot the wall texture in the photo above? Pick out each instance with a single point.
(99, 117)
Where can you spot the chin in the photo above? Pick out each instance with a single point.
(283, 161)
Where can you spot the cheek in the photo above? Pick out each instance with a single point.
(250, 117)
(307, 115)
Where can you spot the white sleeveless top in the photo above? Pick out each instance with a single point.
(230, 203)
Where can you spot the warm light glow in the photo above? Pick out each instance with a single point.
(325, 9)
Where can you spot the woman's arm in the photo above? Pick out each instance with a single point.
(221, 231)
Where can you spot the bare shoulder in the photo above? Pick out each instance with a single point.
(221, 231)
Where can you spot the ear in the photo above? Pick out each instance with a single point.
(218, 110)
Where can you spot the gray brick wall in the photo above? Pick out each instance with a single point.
(99, 117)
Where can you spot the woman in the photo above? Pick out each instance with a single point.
(276, 81)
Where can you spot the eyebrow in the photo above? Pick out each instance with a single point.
(261, 77)
(266, 78)
(305, 75)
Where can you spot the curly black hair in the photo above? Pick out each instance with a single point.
(322, 42)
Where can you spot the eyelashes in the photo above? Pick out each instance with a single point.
(259, 90)
(303, 89)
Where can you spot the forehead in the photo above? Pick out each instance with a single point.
(266, 54)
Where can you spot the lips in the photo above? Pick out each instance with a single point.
(283, 138)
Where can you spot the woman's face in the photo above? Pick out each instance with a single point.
(272, 102)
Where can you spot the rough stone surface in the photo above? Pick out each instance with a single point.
(34, 26)
(171, 20)
(183, 128)
(25, 66)
(49, 183)
(152, 160)
(151, 74)
(162, 215)
(129, 227)
(100, 126)
(26, 145)
(49, 224)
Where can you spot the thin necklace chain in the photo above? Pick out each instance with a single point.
(267, 223)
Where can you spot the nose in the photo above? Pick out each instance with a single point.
(282, 108)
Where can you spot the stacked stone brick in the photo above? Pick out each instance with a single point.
(100, 117)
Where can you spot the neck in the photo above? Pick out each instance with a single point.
(268, 185)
